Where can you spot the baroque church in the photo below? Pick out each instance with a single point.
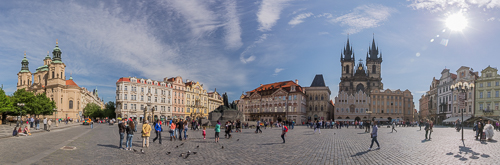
(363, 77)
(51, 79)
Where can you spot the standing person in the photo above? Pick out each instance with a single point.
(45, 124)
(204, 132)
(32, 122)
(121, 130)
(318, 126)
(37, 123)
(393, 127)
(157, 131)
(374, 136)
(135, 125)
(130, 134)
(271, 122)
(172, 131)
(488, 130)
(217, 131)
(293, 124)
(431, 124)
(284, 130)
(180, 127)
(228, 130)
(146, 130)
(480, 127)
(49, 123)
(420, 125)
(258, 128)
(186, 127)
(426, 128)
(91, 124)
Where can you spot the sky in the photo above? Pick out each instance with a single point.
(235, 46)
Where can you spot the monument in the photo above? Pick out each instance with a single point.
(224, 112)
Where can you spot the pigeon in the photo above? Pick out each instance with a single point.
(238, 140)
(222, 147)
(182, 144)
(194, 153)
(186, 156)
(189, 152)
(181, 155)
(135, 150)
(176, 146)
(197, 146)
(168, 153)
(142, 151)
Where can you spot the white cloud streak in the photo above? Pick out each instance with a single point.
(364, 17)
(299, 18)
(269, 13)
(247, 50)
(277, 70)
(440, 5)
(232, 27)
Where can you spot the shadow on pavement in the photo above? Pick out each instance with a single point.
(360, 153)
(270, 143)
(423, 141)
(108, 145)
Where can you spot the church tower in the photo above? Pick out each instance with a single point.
(56, 68)
(347, 60)
(24, 77)
(373, 65)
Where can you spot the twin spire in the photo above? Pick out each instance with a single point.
(372, 54)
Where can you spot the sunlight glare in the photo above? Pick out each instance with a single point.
(456, 22)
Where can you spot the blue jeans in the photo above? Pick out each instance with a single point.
(172, 133)
(180, 133)
(121, 139)
(374, 139)
(38, 126)
(128, 143)
(91, 126)
(185, 134)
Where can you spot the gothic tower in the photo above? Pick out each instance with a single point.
(373, 64)
(24, 77)
(347, 60)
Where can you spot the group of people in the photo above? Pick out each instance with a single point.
(32, 123)
(481, 128)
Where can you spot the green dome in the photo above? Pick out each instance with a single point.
(25, 59)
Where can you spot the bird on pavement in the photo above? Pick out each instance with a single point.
(182, 154)
(238, 140)
(194, 153)
(182, 144)
(186, 156)
(222, 147)
(142, 151)
(168, 153)
(135, 150)
(197, 146)
(176, 146)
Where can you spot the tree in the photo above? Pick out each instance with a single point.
(43, 105)
(5, 106)
(92, 110)
(22, 96)
(109, 110)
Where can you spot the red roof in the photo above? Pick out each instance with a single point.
(124, 79)
(453, 76)
(70, 82)
(331, 102)
(273, 86)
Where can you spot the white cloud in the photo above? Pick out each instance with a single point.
(201, 20)
(251, 58)
(364, 17)
(298, 10)
(277, 70)
(269, 12)
(326, 15)
(491, 19)
(439, 5)
(299, 18)
(232, 27)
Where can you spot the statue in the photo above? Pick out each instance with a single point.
(225, 112)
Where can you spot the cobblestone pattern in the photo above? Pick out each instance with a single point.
(332, 146)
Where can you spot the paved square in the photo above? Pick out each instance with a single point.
(332, 146)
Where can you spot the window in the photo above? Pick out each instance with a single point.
(142, 107)
(71, 104)
(322, 98)
(496, 93)
(295, 96)
(125, 97)
(168, 109)
(480, 95)
(316, 97)
(480, 85)
(156, 99)
(497, 83)
(156, 91)
(382, 111)
(188, 110)
(342, 110)
(125, 88)
(489, 84)
(455, 109)
(124, 106)
(455, 97)
(489, 94)
(480, 106)
(374, 70)
(149, 98)
(142, 89)
(470, 108)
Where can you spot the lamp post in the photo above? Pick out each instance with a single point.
(20, 113)
(144, 116)
(57, 124)
(462, 88)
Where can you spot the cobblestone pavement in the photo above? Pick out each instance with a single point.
(6, 129)
(332, 146)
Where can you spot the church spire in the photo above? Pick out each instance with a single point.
(24, 64)
(348, 51)
(373, 51)
(56, 54)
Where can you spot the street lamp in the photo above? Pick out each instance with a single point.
(20, 105)
(55, 110)
(462, 88)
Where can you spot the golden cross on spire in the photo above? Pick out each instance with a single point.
(56, 42)
(24, 54)
(47, 52)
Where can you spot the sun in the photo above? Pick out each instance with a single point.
(456, 22)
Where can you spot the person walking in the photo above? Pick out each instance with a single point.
(431, 124)
(186, 128)
(427, 128)
(157, 131)
(228, 130)
(204, 132)
(135, 125)
(258, 128)
(374, 136)
(488, 130)
(284, 130)
(146, 132)
(130, 134)
(420, 125)
(45, 124)
(393, 127)
(217, 131)
(121, 130)
(180, 127)
(49, 123)
(37, 123)
(91, 124)
(172, 131)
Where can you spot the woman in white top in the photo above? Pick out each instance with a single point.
(488, 130)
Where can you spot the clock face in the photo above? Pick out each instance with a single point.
(360, 68)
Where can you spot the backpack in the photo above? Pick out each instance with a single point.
(286, 128)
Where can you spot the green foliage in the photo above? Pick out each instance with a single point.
(43, 106)
(5, 104)
(92, 110)
(109, 110)
(23, 96)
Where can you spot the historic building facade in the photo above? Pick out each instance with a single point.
(487, 98)
(394, 105)
(196, 100)
(433, 99)
(355, 107)
(134, 95)
(318, 100)
(444, 95)
(214, 100)
(274, 102)
(50, 79)
(464, 74)
(178, 98)
(364, 78)
(424, 106)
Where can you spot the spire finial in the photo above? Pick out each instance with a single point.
(56, 42)
(71, 75)
(24, 54)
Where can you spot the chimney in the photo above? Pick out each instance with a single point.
(296, 81)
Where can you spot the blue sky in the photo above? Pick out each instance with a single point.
(236, 45)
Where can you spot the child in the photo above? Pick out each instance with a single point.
(204, 132)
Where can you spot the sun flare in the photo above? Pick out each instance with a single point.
(456, 22)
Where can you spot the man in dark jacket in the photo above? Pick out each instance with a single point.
(121, 129)
(427, 128)
(480, 128)
(180, 127)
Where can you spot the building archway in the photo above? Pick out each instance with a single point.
(339, 117)
(390, 119)
(347, 117)
(357, 118)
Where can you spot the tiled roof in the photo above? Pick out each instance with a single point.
(453, 76)
(273, 86)
(70, 82)
(318, 81)
(124, 79)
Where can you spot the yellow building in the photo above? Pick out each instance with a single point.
(196, 100)
(214, 100)
(50, 79)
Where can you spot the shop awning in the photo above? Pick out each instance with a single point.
(454, 119)
(380, 119)
(344, 119)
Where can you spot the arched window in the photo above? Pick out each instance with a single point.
(62, 75)
(322, 98)
(316, 97)
(347, 69)
(53, 74)
(71, 104)
(316, 108)
(374, 69)
(321, 108)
